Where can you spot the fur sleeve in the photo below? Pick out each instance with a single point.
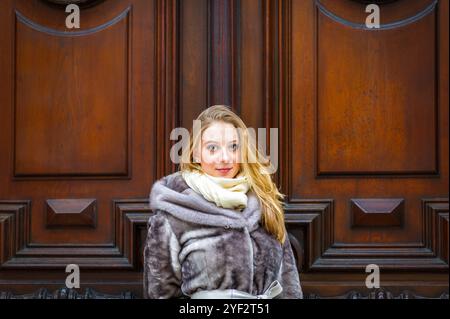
(162, 269)
(290, 280)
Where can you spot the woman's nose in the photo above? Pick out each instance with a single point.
(225, 156)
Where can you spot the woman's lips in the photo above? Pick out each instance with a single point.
(223, 170)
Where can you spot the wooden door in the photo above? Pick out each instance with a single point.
(365, 121)
(85, 118)
(78, 138)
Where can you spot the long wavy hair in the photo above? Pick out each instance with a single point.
(254, 165)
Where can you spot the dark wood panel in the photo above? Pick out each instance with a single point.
(167, 87)
(300, 143)
(391, 11)
(130, 217)
(375, 212)
(376, 98)
(71, 212)
(71, 129)
(85, 116)
(194, 53)
(14, 228)
(252, 63)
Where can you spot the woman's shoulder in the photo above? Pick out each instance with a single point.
(165, 188)
(174, 181)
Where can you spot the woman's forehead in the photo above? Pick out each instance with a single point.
(219, 132)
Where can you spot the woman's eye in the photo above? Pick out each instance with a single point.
(234, 147)
(211, 148)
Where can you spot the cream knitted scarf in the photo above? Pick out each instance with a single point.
(224, 192)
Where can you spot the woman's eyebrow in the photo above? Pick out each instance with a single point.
(210, 141)
(213, 141)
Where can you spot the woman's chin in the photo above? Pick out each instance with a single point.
(225, 175)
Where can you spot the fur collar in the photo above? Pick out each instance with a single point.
(172, 195)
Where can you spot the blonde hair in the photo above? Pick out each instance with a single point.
(256, 170)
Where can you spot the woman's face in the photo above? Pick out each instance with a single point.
(220, 150)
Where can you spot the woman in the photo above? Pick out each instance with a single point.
(218, 226)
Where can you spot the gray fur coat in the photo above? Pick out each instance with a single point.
(192, 244)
